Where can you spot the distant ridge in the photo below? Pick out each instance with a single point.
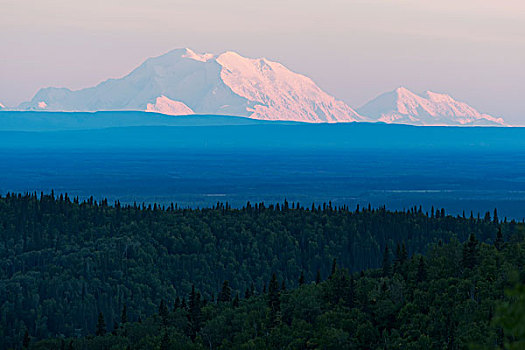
(67, 121)
(402, 106)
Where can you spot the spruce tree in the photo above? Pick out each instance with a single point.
(273, 293)
(165, 341)
(101, 325)
(498, 243)
(470, 252)
(26, 340)
(163, 311)
(318, 277)
(124, 315)
(301, 278)
(350, 298)
(386, 265)
(194, 313)
(176, 305)
(273, 298)
(334, 267)
(421, 270)
(404, 253)
(226, 292)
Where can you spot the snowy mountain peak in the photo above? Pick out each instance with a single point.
(2, 106)
(197, 57)
(273, 88)
(166, 106)
(429, 108)
(184, 82)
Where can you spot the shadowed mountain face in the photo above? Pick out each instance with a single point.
(405, 107)
(184, 82)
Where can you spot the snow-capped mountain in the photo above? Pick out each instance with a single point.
(402, 106)
(184, 82)
(1, 106)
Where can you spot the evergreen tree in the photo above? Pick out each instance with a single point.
(470, 252)
(226, 292)
(274, 297)
(386, 265)
(334, 267)
(101, 325)
(318, 277)
(301, 278)
(124, 315)
(421, 270)
(236, 301)
(165, 341)
(350, 298)
(404, 253)
(26, 340)
(499, 242)
(163, 311)
(194, 313)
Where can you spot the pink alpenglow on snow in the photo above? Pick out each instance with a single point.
(429, 108)
(279, 93)
(197, 57)
(166, 106)
(184, 82)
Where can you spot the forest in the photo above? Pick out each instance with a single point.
(90, 275)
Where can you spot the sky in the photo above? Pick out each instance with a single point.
(355, 50)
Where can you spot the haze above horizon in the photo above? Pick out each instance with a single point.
(353, 50)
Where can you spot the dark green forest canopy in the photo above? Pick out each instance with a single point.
(64, 263)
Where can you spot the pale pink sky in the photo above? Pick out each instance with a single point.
(355, 50)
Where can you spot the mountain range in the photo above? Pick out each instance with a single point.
(183, 82)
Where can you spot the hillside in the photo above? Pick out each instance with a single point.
(62, 262)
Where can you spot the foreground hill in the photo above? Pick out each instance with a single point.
(71, 269)
(62, 262)
(184, 82)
